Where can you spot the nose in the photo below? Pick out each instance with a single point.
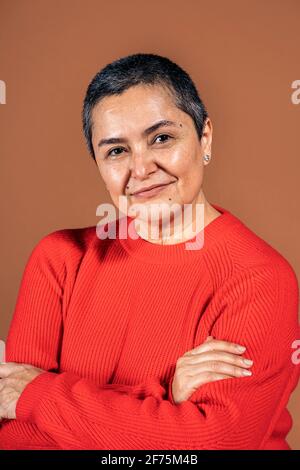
(141, 165)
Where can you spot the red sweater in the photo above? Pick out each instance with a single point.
(108, 319)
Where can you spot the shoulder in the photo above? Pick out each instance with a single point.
(81, 237)
(250, 252)
(242, 253)
(255, 288)
(66, 244)
(70, 245)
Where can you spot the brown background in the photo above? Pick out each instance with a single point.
(243, 57)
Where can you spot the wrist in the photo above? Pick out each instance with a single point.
(32, 394)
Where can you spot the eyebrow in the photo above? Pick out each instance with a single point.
(149, 130)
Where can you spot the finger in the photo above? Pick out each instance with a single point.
(217, 367)
(202, 379)
(218, 356)
(218, 345)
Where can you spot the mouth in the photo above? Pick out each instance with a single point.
(152, 191)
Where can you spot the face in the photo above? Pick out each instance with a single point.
(141, 139)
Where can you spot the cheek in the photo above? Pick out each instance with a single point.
(186, 166)
(178, 161)
(114, 178)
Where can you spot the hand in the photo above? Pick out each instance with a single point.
(212, 360)
(13, 379)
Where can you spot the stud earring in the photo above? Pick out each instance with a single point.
(206, 158)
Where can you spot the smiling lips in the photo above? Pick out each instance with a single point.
(150, 190)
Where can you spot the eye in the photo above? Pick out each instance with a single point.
(163, 135)
(110, 154)
(112, 150)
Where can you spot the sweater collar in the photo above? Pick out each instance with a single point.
(179, 253)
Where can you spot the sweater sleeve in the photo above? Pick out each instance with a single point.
(256, 308)
(35, 331)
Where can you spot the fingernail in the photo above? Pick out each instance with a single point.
(248, 362)
(247, 372)
(241, 348)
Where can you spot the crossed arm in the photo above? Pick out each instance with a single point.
(74, 413)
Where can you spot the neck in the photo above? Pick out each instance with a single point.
(178, 227)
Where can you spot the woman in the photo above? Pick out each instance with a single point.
(125, 339)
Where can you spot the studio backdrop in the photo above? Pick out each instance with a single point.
(244, 59)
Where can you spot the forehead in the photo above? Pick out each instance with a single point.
(134, 110)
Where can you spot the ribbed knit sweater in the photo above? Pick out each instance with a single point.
(107, 320)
